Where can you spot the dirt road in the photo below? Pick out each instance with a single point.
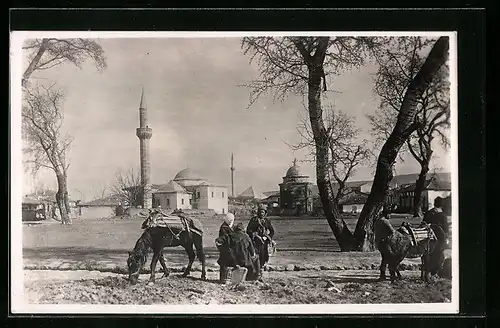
(299, 287)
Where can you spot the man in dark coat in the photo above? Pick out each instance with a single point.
(439, 224)
(225, 256)
(436, 218)
(261, 232)
(236, 249)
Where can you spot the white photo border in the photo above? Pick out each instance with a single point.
(18, 306)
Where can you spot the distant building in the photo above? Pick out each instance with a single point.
(401, 191)
(250, 194)
(272, 202)
(353, 202)
(188, 190)
(40, 206)
(99, 208)
(295, 196)
(434, 187)
(34, 210)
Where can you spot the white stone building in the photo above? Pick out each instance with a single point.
(188, 190)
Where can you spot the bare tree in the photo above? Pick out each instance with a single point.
(45, 143)
(407, 123)
(397, 66)
(46, 53)
(100, 190)
(128, 187)
(301, 65)
(347, 152)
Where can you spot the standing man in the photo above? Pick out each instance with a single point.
(436, 218)
(439, 224)
(226, 257)
(261, 232)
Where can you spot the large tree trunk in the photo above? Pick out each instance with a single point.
(34, 62)
(405, 125)
(330, 207)
(62, 198)
(418, 201)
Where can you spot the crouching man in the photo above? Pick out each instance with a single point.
(236, 249)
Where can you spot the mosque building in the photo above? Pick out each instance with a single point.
(296, 194)
(188, 190)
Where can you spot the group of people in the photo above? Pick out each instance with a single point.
(247, 248)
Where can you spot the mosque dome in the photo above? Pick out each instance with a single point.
(293, 174)
(293, 171)
(188, 177)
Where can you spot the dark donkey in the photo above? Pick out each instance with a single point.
(394, 246)
(158, 238)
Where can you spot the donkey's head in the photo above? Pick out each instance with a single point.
(134, 265)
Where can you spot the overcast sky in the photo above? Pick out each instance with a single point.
(197, 112)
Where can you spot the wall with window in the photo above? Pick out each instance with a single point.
(183, 201)
(172, 200)
(214, 198)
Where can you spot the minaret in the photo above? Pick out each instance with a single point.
(144, 133)
(232, 175)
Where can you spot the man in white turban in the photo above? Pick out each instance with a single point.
(224, 257)
(227, 225)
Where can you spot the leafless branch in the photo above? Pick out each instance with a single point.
(49, 52)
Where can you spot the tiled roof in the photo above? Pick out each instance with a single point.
(32, 201)
(251, 193)
(112, 200)
(171, 187)
(354, 197)
(431, 184)
(442, 182)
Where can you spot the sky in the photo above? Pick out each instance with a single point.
(198, 113)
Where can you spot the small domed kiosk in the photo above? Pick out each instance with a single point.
(295, 192)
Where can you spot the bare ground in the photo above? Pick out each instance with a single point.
(304, 287)
(84, 263)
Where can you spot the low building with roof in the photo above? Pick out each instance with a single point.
(436, 186)
(100, 208)
(251, 194)
(401, 192)
(353, 202)
(40, 205)
(189, 190)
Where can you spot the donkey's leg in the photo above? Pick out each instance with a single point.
(383, 268)
(398, 274)
(392, 271)
(166, 272)
(201, 256)
(156, 256)
(192, 256)
(424, 273)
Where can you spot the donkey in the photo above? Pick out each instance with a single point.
(157, 238)
(394, 245)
